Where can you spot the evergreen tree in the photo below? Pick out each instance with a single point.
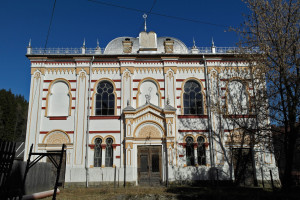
(13, 116)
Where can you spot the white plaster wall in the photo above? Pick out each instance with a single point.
(192, 124)
(105, 125)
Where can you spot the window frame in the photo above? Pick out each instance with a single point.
(187, 110)
(201, 158)
(109, 161)
(110, 110)
(98, 147)
(189, 148)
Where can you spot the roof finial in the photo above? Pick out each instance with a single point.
(29, 44)
(97, 43)
(168, 100)
(212, 42)
(194, 43)
(83, 45)
(145, 18)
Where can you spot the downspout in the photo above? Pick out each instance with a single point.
(166, 160)
(253, 136)
(88, 126)
(211, 152)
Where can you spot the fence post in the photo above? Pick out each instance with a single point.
(115, 176)
(58, 171)
(272, 180)
(26, 169)
(217, 177)
(262, 177)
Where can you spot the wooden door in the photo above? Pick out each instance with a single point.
(149, 165)
(243, 166)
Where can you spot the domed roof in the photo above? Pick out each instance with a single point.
(179, 46)
(116, 46)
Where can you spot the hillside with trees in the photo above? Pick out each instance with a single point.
(13, 116)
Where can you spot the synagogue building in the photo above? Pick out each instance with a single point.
(145, 110)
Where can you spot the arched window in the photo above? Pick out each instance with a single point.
(201, 151)
(98, 153)
(190, 159)
(105, 99)
(237, 98)
(109, 153)
(59, 99)
(192, 98)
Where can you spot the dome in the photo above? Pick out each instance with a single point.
(131, 45)
(179, 46)
(116, 45)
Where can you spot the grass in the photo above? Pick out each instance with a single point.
(175, 192)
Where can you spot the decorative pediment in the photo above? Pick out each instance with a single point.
(149, 116)
(148, 121)
(56, 137)
(149, 131)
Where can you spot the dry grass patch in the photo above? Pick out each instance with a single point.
(111, 193)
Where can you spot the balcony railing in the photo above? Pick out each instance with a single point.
(98, 51)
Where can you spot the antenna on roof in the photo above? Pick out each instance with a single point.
(145, 24)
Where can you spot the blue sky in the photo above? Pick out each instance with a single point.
(77, 19)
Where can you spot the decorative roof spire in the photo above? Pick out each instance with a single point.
(97, 43)
(29, 43)
(145, 24)
(168, 101)
(83, 45)
(194, 43)
(213, 47)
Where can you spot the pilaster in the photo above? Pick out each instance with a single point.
(34, 112)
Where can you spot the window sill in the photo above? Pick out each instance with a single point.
(239, 116)
(104, 117)
(201, 166)
(192, 116)
(58, 118)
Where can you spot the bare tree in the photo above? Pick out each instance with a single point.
(273, 26)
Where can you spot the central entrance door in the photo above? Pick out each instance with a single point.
(243, 166)
(149, 165)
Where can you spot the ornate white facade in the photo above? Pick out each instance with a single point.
(151, 112)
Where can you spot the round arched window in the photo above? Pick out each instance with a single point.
(201, 151)
(192, 98)
(105, 99)
(190, 159)
(98, 153)
(109, 153)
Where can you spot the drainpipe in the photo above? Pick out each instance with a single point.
(211, 152)
(167, 162)
(253, 136)
(88, 126)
